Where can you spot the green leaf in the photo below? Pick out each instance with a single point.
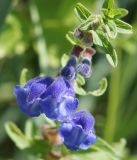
(123, 27)
(112, 59)
(16, 135)
(119, 12)
(101, 90)
(111, 29)
(110, 51)
(64, 59)
(30, 129)
(80, 80)
(23, 76)
(102, 145)
(115, 13)
(96, 39)
(79, 90)
(39, 148)
(70, 37)
(82, 12)
(109, 4)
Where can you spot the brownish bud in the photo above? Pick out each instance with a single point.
(87, 39)
(76, 50)
(88, 53)
(51, 135)
(78, 33)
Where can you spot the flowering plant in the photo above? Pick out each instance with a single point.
(56, 98)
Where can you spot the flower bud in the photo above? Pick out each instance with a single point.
(88, 53)
(76, 50)
(72, 61)
(84, 68)
(87, 39)
(51, 134)
(68, 72)
(78, 33)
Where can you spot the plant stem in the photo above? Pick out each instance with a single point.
(113, 104)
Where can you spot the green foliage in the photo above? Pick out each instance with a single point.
(70, 37)
(82, 12)
(16, 135)
(96, 39)
(115, 13)
(123, 27)
(109, 4)
(109, 50)
(104, 151)
(28, 142)
(108, 24)
(80, 80)
(100, 91)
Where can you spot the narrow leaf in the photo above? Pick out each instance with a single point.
(79, 90)
(96, 39)
(70, 37)
(104, 146)
(30, 129)
(23, 76)
(119, 12)
(112, 59)
(109, 4)
(110, 51)
(115, 13)
(80, 80)
(16, 135)
(123, 27)
(82, 12)
(101, 90)
(111, 29)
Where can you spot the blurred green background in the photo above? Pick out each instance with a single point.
(32, 35)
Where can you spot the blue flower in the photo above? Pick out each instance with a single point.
(55, 98)
(69, 71)
(29, 96)
(84, 68)
(58, 101)
(78, 131)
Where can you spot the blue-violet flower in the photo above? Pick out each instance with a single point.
(84, 68)
(55, 98)
(69, 71)
(78, 131)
